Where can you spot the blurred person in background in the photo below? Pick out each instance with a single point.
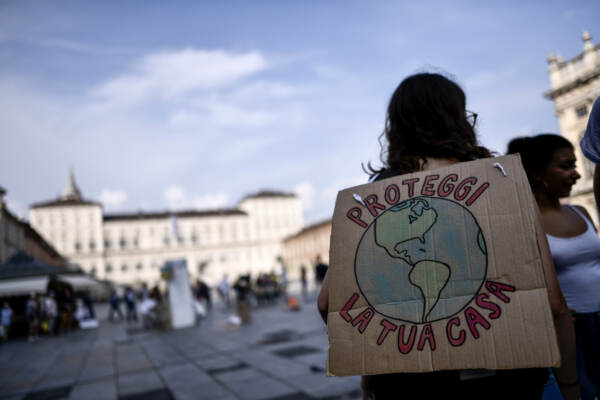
(115, 306)
(66, 309)
(202, 292)
(51, 312)
(6, 320)
(130, 305)
(549, 161)
(320, 271)
(303, 280)
(32, 312)
(223, 290)
(243, 291)
(428, 127)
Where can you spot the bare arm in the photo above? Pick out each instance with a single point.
(323, 299)
(566, 375)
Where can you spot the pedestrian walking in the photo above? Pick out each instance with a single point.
(51, 312)
(303, 281)
(32, 310)
(130, 304)
(242, 289)
(223, 290)
(115, 306)
(320, 271)
(6, 320)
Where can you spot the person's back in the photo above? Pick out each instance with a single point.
(6, 315)
(428, 127)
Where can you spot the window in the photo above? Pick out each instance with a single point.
(122, 243)
(135, 242)
(77, 247)
(107, 244)
(166, 240)
(124, 268)
(581, 111)
(108, 268)
(92, 245)
(139, 266)
(93, 271)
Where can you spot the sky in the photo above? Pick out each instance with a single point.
(177, 105)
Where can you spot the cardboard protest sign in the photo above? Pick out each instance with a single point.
(439, 270)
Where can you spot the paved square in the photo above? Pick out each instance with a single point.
(281, 355)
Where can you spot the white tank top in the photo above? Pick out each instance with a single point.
(577, 262)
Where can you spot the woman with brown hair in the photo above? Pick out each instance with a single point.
(428, 127)
(549, 161)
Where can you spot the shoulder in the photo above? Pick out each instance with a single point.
(586, 214)
(583, 211)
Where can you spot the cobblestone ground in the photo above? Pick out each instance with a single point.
(280, 355)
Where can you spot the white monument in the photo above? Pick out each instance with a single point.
(181, 302)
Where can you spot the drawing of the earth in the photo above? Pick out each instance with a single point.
(422, 260)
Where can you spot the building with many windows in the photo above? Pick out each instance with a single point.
(574, 85)
(131, 248)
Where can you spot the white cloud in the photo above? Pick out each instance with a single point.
(221, 114)
(111, 198)
(211, 201)
(177, 199)
(168, 74)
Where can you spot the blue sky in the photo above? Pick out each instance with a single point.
(170, 105)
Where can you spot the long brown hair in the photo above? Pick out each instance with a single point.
(426, 118)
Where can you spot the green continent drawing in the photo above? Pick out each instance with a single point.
(421, 260)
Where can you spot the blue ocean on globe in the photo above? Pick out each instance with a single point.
(422, 260)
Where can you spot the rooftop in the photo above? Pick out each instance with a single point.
(21, 265)
(268, 193)
(65, 202)
(309, 229)
(178, 214)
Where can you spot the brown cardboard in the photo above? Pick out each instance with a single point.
(492, 311)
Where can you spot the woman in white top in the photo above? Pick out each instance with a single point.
(549, 161)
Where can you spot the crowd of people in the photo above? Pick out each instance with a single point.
(145, 301)
(54, 313)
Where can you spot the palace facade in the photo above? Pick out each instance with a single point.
(131, 248)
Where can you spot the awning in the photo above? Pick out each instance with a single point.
(39, 284)
(79, 282)
(23, 286)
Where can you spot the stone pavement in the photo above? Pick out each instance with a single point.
(280, 355)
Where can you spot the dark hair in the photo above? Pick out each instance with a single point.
(426, 118)
(537, 151)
